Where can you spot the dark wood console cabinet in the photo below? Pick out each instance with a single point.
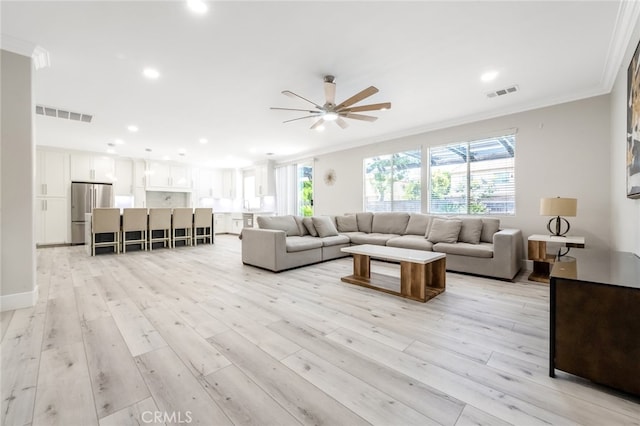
(595, 317)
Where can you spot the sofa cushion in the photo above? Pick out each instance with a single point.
(418, 224)
(324, 226)
(295, 244)
(334, 240)
(416, 242)
(484, 250)
(489, 227)
(373, 238)
(390, 223)
(281, 223)
(444, 230)
(308, 223)
(347, 223)
(301, 228)
(470, 230)
(364, 219)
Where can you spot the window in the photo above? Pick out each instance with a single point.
(392, 182)
(294, 189)
(473, 177)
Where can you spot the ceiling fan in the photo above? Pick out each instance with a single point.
(337, 113)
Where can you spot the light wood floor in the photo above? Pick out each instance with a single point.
(191, 336)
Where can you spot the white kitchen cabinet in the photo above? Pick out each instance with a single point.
(52, 173)
(209, 184)
(123, 184)
(265, 179)
(51, 221)
(139, 173)
(229, 184)
(167, 176)
(222, 223)
(139, 197)
(93, 168)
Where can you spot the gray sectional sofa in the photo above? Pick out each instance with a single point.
(472, 245)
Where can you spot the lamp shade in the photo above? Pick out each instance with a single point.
(558, 206)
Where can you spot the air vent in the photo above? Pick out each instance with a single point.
(503, 92)
(67, 115)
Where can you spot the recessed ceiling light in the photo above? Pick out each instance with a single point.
(197, 6)
(182, 151)
(151, 73)
(203, 141)
(119, 142)
(320, 128)
(489, 76)
(166, 157)
(132, 128)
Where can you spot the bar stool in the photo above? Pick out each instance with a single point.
(202, 219)
(134, 220)
(160, 220)
(182, 219)
(105, 221)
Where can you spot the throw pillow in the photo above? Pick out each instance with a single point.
(347, 223)
(324, 226)
(444, 231)
(418, 224)
(303, 229)
(471, 230)
(365, 219)
(308, 223)
(489, 227)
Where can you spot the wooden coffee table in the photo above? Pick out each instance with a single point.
(422, 273)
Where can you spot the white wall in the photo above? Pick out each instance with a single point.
(17, 151)
(561, 150)
(625, 212)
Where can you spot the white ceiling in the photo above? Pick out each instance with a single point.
(220, 72)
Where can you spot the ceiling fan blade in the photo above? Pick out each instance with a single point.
(295, 109)
(330, 92)
(317, 124)
(299, 118)
(371, 90)
(340, 122)
(370, 107)
(292, 95)
(361, 117)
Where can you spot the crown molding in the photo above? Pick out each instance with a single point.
(628, 16)
(38, 54)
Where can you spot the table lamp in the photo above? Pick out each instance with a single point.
(558, 207)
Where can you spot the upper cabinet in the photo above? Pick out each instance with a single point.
(52, 173)
(229, 183)
(209, 184)
(265, 179)
(92, 168)
(124, 177)
(162, 175)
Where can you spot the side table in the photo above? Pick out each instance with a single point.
(543, 261)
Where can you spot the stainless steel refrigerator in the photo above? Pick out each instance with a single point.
(84, 198)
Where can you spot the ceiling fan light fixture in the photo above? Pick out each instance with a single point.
(330, 116)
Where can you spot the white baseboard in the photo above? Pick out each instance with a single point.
(10, 302)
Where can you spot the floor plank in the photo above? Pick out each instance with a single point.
(64, 394)
(134, 415)
(114, 375)
(176, 391)
(301, 399)
(136, 329)
(244, 402)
